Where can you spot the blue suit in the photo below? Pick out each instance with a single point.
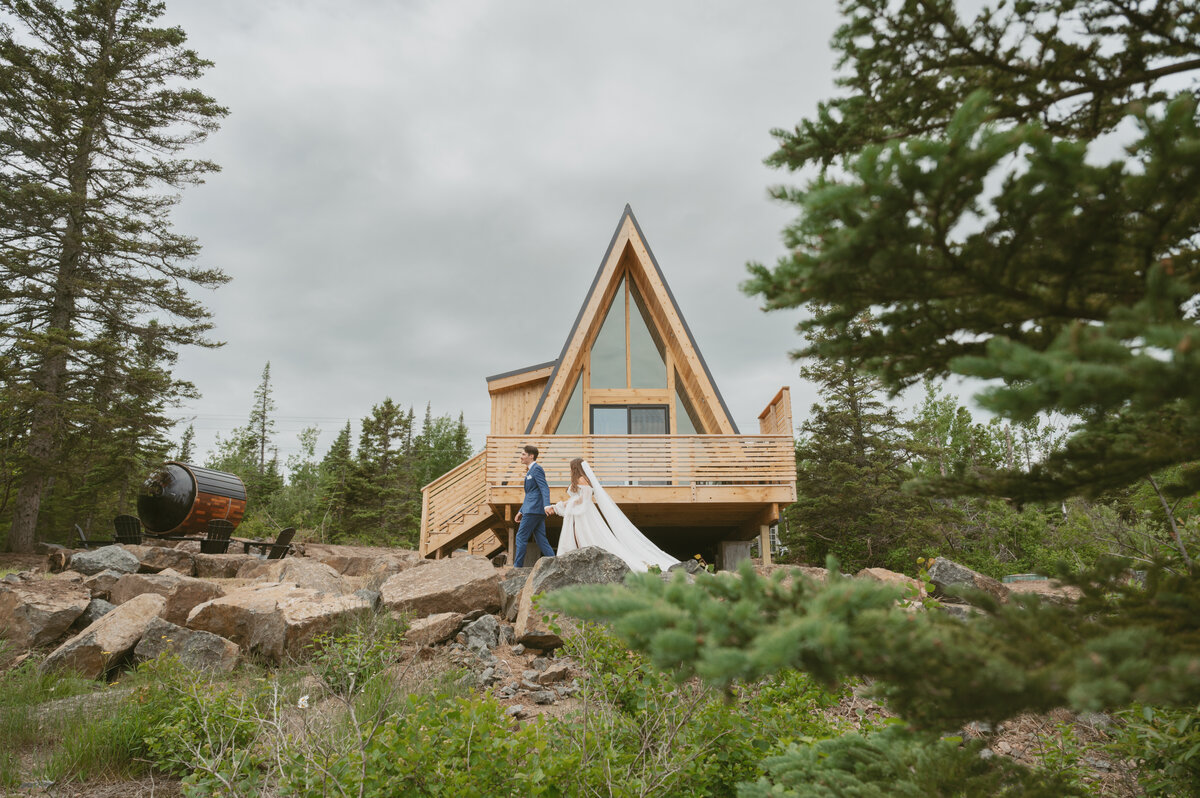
(533, 514)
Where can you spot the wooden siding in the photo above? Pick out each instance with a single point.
(512, 407)
(457, 493)
(776, 419)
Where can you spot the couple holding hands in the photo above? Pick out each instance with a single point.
(583, 524)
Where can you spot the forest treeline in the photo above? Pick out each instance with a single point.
(365, 490)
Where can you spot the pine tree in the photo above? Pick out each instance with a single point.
(187, 444)
(262, 425)
(335, 472)
(851, 465)
(384, 504)
(95, 104)
(964, 204)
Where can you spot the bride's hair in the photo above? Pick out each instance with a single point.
(577, 472)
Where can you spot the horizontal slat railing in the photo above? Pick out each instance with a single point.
(649, 459)
(450, 497)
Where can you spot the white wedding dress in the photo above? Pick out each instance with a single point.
(583, 526)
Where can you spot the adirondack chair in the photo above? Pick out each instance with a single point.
(129, 529)
(217, 540)
(274, 551)
(85, 543)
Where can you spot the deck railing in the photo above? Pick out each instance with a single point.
(449, 497)
(649, 459)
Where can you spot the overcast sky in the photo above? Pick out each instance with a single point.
(417, 195)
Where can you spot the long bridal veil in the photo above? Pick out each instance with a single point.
(637, 547)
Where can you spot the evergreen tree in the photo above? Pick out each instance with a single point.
(187, 444)
(851, 464)
(381, 495)
(963, 203)
(262, 425)
(94, 106)
(335, 473)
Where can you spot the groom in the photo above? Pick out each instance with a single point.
(532, 517)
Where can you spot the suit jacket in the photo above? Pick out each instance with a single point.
(537, 492)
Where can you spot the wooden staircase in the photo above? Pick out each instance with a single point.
(455, 512)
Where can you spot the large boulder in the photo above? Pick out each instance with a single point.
(181, 592)
(106, 558)
(587, 566)
(910, 586)
(38, 612)
(101, 584)
(510, 592)
(220, 566)
(458, 584)
(274, 620)
(433, 629)
(947, 574)
(195, 649)
(363, 560)
(108, 642)
(159, 558)
(481, 636)
(299, 571)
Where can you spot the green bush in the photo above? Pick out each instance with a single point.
(347, 659)
(1165, 744)
(442, 745)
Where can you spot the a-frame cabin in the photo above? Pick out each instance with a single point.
(630, 393)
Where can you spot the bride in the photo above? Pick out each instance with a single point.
(583, 524)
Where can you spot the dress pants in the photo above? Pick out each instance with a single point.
(531, 524)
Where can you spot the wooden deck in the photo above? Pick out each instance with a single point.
(669, 485)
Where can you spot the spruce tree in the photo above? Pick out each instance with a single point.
(964, 203)
(95, 106)
(335, 473)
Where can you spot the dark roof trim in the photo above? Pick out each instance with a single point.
(521, 371)
(587, 298)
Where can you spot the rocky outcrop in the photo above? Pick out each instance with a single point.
(510, 592)
(950, 577)
(364, 560)
(274, 620)
(220, 566)
(101, 584)
(181, 592)
(586, 566)
(106, 558)
(108, 642)
(911, 587)
(458, 584)
(433, 629)
(38, 612)
(196, 650)
(299, 571)
(481, 636)
(159, 558)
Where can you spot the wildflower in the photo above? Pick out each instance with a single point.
(302, 703)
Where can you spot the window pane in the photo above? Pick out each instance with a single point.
(648, 421)
(608, 352)
(571, 422)
(610, 420)
(647, 367)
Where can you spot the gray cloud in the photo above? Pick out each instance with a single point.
(417, 195)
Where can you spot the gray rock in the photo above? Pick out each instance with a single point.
(530, 675)
(482, 635)
(515, 711)
(433, 629)
(196, 650)
(518, 649)
(510, 592)
(947, 574)
(101, 584)
(692, 566)
(544, 696)
(105, 644)
(38, 613)
(370, 596)
(506, 635)
(540, 663)
(587, 566)
(96, 610)
(456, 584)
(555, 673)
(105, 558)
(960, 611)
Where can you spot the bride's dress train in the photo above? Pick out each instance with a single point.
(583, 526)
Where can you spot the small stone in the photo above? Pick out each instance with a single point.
(544, 696)
(986, 753)
(518, 648)
(1003, 747)
(555, 673)
(515, 711)
(540, 664)
(531, 686)
(529, 674)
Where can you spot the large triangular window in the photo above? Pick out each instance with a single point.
(608, 368)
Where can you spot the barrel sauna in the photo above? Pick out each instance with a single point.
(180, 499)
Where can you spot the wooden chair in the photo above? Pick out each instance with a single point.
(277, 550)
(85, 543)
(129, 529)
(217, 540)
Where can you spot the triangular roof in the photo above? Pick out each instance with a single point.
(628, 253)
